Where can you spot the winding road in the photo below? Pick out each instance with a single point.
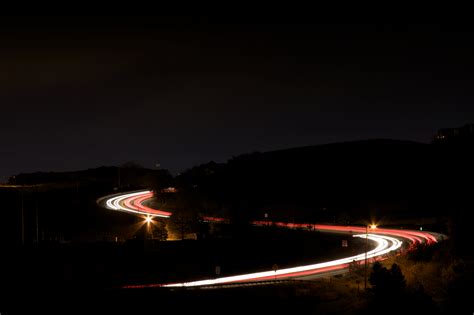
(383, 241)
(133, 202)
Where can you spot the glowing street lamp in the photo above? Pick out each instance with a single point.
(148, 219)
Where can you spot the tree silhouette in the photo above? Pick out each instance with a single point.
(387, 283)
(159, 231)
(397, 279)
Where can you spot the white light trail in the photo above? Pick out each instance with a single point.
(385, 244)
(133, 202)
(116, 203)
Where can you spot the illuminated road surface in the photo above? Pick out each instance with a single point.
(385, 241)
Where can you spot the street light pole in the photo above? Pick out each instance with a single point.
(372, 227)
(150, 232)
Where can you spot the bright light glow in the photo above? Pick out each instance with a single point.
(373, 226)
(148, 219)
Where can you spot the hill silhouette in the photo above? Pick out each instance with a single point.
(360, 180)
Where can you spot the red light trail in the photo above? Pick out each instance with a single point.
(386, 240)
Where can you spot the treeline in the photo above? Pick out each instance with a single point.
(127, 176)
(344, 182)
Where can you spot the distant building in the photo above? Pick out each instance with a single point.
(461, 135)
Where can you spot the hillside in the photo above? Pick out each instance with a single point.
(337, 182)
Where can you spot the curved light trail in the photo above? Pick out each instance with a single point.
(414, 237)
(385, 244)
(386, 240)
(132, 202)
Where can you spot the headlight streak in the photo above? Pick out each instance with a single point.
(384, 243)
(133, 202)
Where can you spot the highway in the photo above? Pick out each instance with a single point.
(383, 241)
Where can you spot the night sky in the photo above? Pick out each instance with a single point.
(85, 92)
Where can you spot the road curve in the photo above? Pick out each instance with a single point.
(384, 244)
(384, 240)
(132, 202)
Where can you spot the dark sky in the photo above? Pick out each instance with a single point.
(84, 92)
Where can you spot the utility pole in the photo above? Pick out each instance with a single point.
(37, 226)
(22, 219)
(118, 185)
(365, 267)
(36, 216)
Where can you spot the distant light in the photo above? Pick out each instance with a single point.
(421, 228)
(148, 219)
(169, 190)
(373, 226)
